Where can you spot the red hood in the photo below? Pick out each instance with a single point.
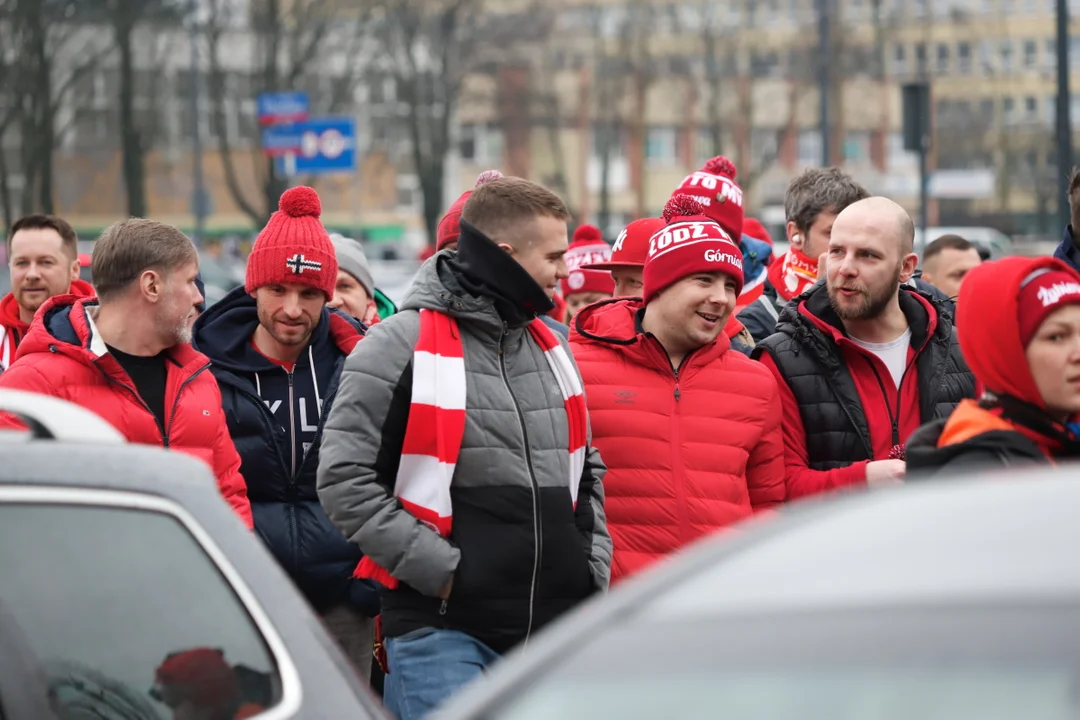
(9, 308)
(817, 310)
(613, 322)
(60, 325)
(989, 328)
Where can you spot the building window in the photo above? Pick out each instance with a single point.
(481, 144)
(942, 58)
(1031, 54)
(1031, 109)
(661, 146)
(986, 110)
(900, 65)
(920, 56)
(1051, 110)
(1006, 56)
(857, 147)
(963, 58)
(1008, 111)
(810, 148)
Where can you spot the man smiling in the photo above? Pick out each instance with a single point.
(864, 359)
(43, 259)
(689, 430)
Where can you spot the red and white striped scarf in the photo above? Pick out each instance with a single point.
(437, 423)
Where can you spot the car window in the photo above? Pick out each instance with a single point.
(128, 616)
(890, 663)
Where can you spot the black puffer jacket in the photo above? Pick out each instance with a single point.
(837, 431)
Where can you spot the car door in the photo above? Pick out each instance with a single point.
(129, 610)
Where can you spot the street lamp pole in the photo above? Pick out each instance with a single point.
(1063, 121)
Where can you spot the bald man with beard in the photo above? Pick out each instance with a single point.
(863, 359)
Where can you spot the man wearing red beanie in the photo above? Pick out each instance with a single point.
(627, 257)
(583, 287)
(863, 359)
(689, 430)
(277, 350)
(1019, 327)
(446, 235)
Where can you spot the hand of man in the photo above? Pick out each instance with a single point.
(883, 473)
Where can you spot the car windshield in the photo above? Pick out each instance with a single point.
(950, 663)
(127, 616)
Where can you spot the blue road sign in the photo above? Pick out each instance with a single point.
(282, 107)
(281, 140)
(326, 145)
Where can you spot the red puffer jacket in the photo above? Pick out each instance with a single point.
(61, 357)
(687, 453)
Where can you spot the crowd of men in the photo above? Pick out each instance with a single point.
(545, 415)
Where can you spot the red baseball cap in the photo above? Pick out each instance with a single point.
(632, 245)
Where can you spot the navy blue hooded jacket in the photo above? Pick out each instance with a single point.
(1067, 250)
(279, 444)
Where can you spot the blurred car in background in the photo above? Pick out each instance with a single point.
(131, 589)
(952, 599)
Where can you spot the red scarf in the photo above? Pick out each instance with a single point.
(792, 274)
(436, 424)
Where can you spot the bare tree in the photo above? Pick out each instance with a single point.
(429, 47)
(126, 18)
(293, 39)
(54, 48)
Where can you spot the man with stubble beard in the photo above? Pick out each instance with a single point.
(277, 350)
(125, 354)
(863, 359)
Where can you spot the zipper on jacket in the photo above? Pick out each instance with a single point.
(292, 429)
(442, 606)
(895, 418)
(163, 426)
(537, 539)
(676, 465)
(176, 400)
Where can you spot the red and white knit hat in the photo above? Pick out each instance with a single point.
(450, 225)
(294, 247)
(714, 187)
(587, 247)
(690, 243)
(1041, 293)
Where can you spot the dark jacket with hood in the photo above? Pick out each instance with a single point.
(1009, 426)
(280, 474)
(520, 552)
(1067, 252)
(841, 406)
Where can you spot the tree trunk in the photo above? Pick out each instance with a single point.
(130, 139)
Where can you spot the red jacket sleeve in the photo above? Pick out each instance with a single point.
(24, 376)
(765, 467)
(801, 480)
(227, 469)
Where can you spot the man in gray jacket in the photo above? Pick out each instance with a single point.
(450, 458)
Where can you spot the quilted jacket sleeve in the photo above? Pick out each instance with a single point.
(360, 453)
(765, 467)
(802, 481)
(27, 377)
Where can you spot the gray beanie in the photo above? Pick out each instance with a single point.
(351, 259)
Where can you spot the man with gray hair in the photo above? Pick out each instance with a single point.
(863, 359)
(125, 354)
(811, 205)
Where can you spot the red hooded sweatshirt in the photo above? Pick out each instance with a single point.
(13, 329)
(990, 339)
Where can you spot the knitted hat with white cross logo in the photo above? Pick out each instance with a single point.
(294, 247)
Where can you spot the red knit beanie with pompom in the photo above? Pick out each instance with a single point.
(294, 247)
(714, 187)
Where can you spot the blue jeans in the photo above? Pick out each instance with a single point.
(428, 666)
